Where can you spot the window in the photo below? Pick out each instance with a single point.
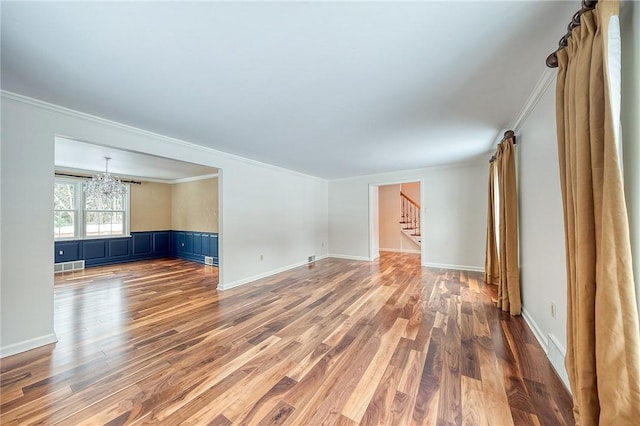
(102, 220)
(78, 216)
(65, 211)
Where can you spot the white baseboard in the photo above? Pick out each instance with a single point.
(26, 345)
(540, 337)
(556, 353)
(554, 350)
(392, 250)
(457, 267)
(247, 280)
(347, 257)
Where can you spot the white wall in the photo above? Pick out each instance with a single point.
(454, 218)
(542, 247)
(266, 211)
(630, 26)
(26, 293)
(374, 236)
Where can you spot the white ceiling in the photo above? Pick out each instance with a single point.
(332, 89)
(74, 156)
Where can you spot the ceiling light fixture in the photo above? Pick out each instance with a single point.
(105, 186)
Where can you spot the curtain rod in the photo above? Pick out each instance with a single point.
(552, 59)
(135, 182)
(507, 135)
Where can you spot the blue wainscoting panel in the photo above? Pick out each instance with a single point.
(67, 251)
(192, 246)
(119, 247)
(94, 249)
(213, 247)
(195, 245)
(162, 242)
(178, 241)
(188, 242)
(141, 242)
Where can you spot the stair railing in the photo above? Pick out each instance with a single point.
(410, 214)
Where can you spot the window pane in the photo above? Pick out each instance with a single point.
(104, 223)
(117, 220)
(64, 224)
(64, 196)
(97, 203)
(91, 224)
(91, 203)
(118, 203)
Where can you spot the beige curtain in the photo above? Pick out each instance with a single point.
(491, 268)
(509, 276)
(603, 355)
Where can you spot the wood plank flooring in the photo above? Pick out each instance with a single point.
(336, 342)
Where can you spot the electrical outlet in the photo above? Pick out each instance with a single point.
(553, 309)
(261, 257)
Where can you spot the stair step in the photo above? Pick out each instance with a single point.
(414, 236)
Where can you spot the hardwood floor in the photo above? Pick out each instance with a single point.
(337, 342)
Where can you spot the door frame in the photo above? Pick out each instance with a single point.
(374, 203)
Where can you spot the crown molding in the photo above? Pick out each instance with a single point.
(409, 175)
(545, 80)
(4, 94)
(194, 178)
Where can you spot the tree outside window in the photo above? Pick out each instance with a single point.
(64, 210)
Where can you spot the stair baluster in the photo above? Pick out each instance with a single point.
(410, 216)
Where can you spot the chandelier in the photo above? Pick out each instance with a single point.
(105, 186)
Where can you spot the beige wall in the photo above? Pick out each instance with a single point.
(194, 206)
(389, 216)
(150, 207)
(187, 206)
(412, 190)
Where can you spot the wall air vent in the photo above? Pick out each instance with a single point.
(76, 265)
(208, 260)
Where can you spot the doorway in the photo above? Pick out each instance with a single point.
(396, 218)
(170, 209)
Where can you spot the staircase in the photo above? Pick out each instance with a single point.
(410, 218)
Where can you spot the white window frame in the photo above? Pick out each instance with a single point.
(76, 210)
(80, 226)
